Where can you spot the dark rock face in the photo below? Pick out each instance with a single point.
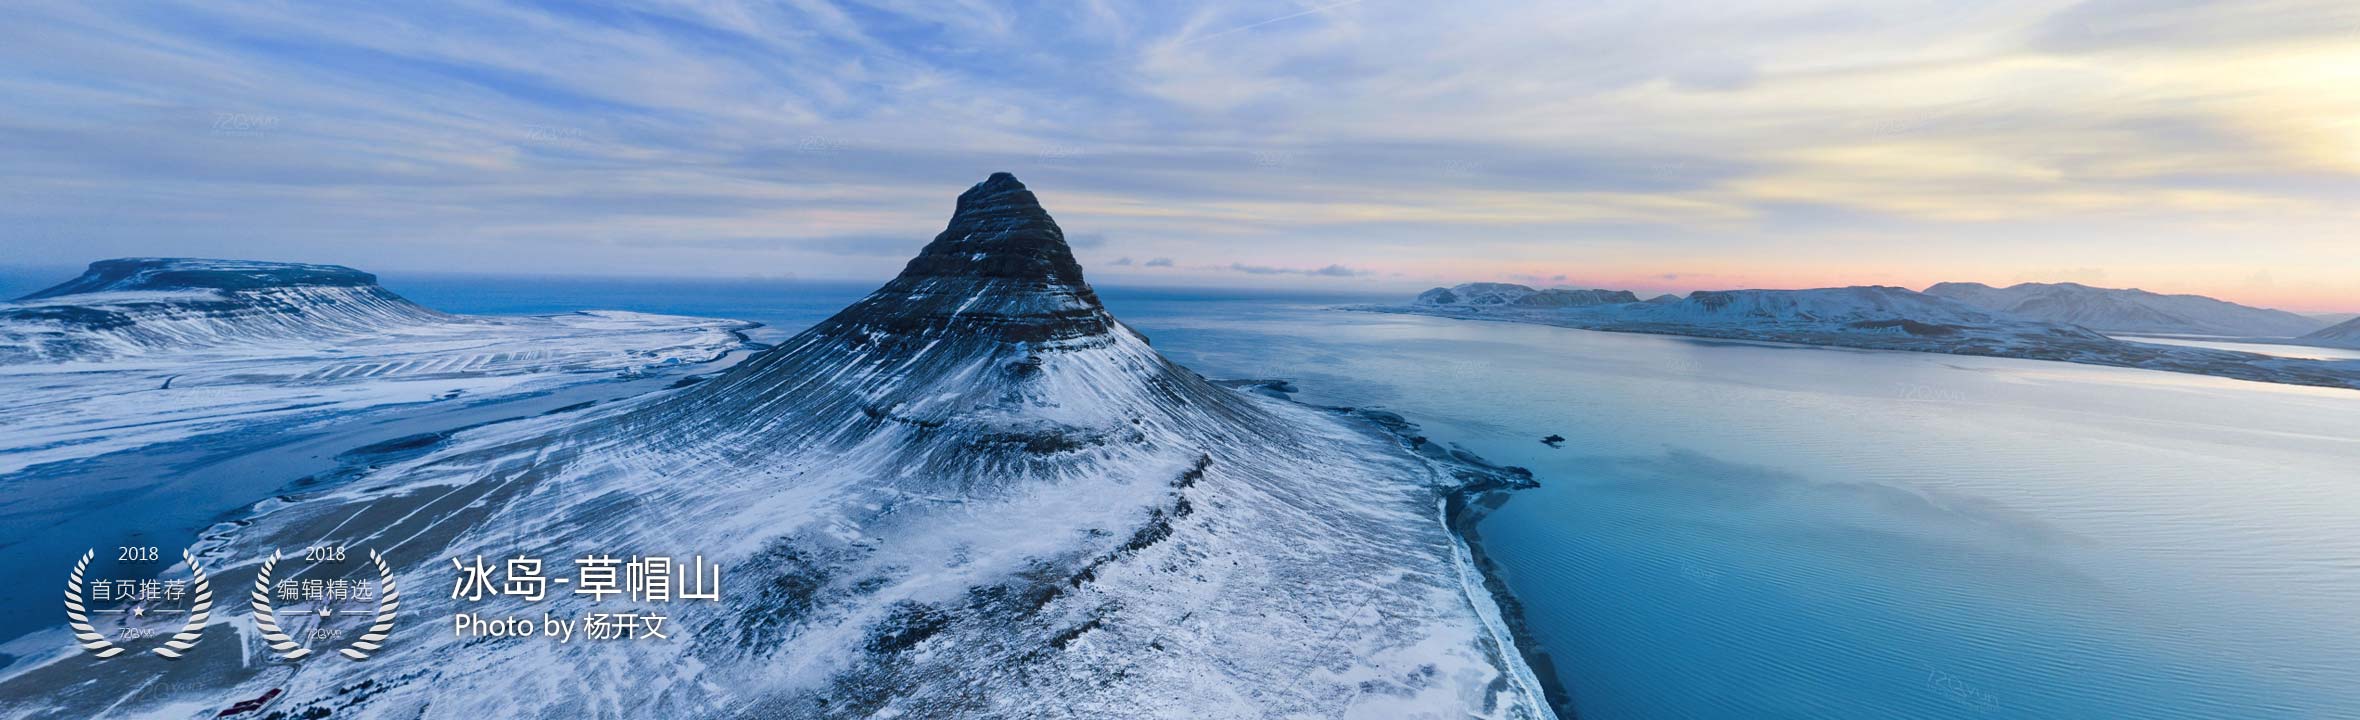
(973, 331)
(999, 231)
(1001, 269)
(198, 274)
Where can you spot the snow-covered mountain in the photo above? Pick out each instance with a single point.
(2343, 335)
(1879, 317)
(2128, 311)
(1857, 307)
(1513, 294)
(973, 494)
(137, 305)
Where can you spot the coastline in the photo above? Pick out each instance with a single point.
(1462, 510)
(2229, 364)
(1483, 486)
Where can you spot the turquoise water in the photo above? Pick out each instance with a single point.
(1750, 531)
(1753, 531)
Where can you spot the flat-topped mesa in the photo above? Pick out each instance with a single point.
(1000, 271)
(141, 305)
(161, 274)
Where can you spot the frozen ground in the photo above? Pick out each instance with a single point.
(58, 412)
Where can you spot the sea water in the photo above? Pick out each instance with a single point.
(1746, 531)
(1742, 530)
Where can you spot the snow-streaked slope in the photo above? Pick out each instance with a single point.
(2128, 311)
(141, 352)
(1891, 318)
(2343, 335)
(974, 494)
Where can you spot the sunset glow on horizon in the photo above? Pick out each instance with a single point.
(2180, 147)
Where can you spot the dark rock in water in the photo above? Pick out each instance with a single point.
(1553, 440)
(1280, 389)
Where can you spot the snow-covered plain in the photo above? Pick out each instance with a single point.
(1870, 317)
(973, 494)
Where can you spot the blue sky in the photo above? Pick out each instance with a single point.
(2167, 144)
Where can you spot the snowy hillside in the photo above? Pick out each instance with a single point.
(1868, 306)
(973, 494)
(2342, 335)
(138, 305)
(2128, 311)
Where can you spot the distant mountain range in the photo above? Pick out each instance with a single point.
(1512, 294)
(2129, 311)
(1873, 317)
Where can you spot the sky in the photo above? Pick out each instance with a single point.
(2171, 145)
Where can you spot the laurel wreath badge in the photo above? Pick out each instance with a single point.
(78, 618)
(201, 606)
(266, 619)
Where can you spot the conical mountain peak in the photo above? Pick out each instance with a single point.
(1000, 272)
(999, 231)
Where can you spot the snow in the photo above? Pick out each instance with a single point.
(2342, 335)
(972, 494)
(175, 376)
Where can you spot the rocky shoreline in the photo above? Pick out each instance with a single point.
(1484, 487)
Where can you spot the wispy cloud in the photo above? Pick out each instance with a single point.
(1763, 144)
